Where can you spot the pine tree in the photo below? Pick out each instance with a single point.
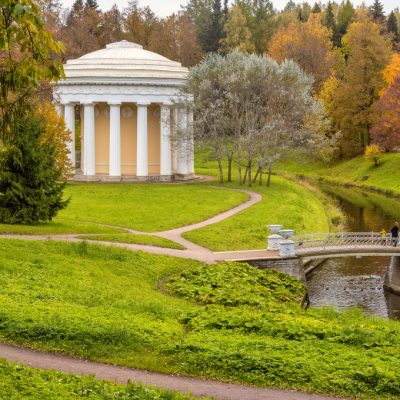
(329, 20)
(344, 18)
(393, 28)
(75, 13)
(30, 187)
(376, 11)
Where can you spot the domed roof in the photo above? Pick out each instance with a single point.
(123, 60)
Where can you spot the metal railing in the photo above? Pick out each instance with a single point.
(342, 239)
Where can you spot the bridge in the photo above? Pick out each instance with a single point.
(343, 244)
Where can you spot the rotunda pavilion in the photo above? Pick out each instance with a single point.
(127, 100)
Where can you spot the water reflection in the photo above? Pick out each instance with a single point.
(348, 282)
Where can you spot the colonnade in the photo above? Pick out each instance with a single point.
(177, 159)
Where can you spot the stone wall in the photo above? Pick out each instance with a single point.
(392, 275)
(289, 265)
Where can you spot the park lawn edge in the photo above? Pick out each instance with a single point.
(131, 238)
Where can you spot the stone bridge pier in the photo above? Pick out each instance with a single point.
(392, 275)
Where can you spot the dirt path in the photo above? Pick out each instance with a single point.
(196, 387)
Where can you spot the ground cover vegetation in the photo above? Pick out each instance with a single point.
(181, 316)
(22, 383)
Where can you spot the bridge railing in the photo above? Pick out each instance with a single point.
(349, 239)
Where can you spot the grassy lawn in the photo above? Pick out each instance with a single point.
(146, 207)
(221, 321)
(285, 202)
(23, 383)
(385, 177)
(135, 239)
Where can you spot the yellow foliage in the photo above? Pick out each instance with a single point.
(373, 153)
(57, 133)
(393, 69)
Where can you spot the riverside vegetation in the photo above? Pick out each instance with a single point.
(226, 321)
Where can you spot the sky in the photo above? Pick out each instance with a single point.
(166, 7)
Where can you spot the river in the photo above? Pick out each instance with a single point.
(349, 282)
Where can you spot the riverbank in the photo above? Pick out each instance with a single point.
(384, 178)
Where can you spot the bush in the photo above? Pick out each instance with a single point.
(30, 187)
(373, 153)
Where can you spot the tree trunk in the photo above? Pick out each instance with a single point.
(221, 172)
(239, 169)
(261, 173)
(255, 177)
(269, 175)
(230, 168)
(245, 176)
(249, 173)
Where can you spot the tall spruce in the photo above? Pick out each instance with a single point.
(92, 4)
(30, 187)
(329, 20)
(316, 8)
(344, 18)
(393, 28)
(216, 27)
(377, 13)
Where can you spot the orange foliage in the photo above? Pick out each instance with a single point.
(393, 69)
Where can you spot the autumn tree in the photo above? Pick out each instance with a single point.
(237, 33)
(352, 96)
(345, 16)
(111, 27)
(385, 131)
(392, 69)
(309, 44)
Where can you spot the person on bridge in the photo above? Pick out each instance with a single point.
(395, 234)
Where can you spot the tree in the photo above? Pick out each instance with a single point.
(316, 8)
(30, 188)
(373, 153)
(392, 69)
(309, 44)
(345, 16)
(377, 13)
(368, 52)
(248, 104)
(385, 131)
(393, 29)
(216, 27)
(237, 33)
(92, 4)
(27, 55)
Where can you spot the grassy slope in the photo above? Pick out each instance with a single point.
(284, 202)
(104, 304)
(147, 207)
(385, 177)
(135, 239)
(22, 383)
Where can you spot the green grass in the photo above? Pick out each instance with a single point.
(285, 202)
(356, 171)
(224, 321)
(22, 383)
(143, 207)
(135, 239)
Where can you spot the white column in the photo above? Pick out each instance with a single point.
(174, 149)
(89, 162)
(69, 118)
(182, 142)
(142, 156)
(190, 148)
(59, 109)
(115, 139)
(165, 138)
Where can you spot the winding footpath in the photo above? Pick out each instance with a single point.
(196, 387)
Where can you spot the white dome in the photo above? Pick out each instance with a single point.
(123, 60)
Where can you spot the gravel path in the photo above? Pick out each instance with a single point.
(196, 387)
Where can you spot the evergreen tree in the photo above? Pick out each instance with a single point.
(290, 6)
(216, 27)
(92, 4)
(30, 187)
(329, 20)
(376, 11)
(316, 9)
(393, 28)
(75, 13)
(344, 18)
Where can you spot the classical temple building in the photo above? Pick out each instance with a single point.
(127, 100)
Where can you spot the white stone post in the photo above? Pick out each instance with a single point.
(165, 138)
(69, 118)
(115, 139)
(89, 162)
(286, 248)
(182, 142)
(142, 148)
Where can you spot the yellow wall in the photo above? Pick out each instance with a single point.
(128, 139)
